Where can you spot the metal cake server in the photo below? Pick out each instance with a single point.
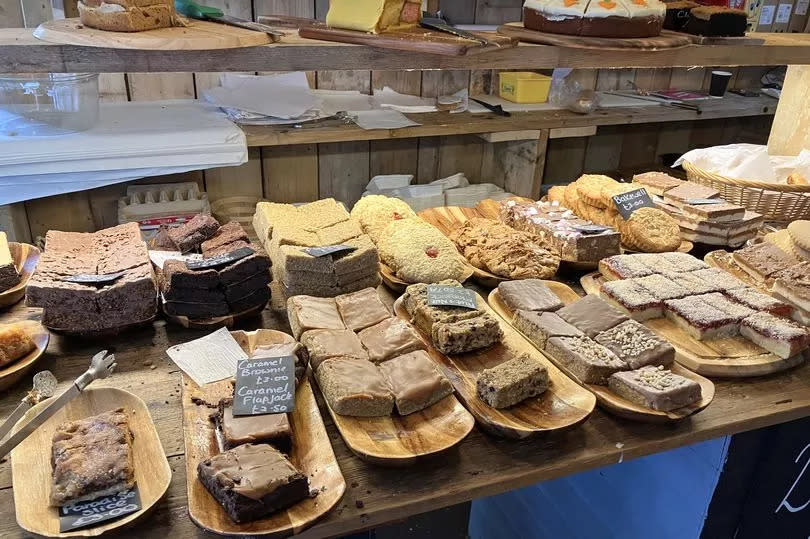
(44, 387)
(101, 366)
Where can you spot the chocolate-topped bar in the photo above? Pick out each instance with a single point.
(586, 359)
(723, 212)
(720, 280)
(273, 429)
(662, 288)
(323, 344)
(762, 260)
(637, 345)
(512, 381)
(390, 338)
(361, 309)
(92, 457)
(307, 312)
(633, 299)
(760, 302)
(699, 319)
(466, 335)
(528, 295)
(192, 233)
(415, 381)
(539, 327)
(252, 481)
(623, 267)
(776, 335)
(680, 195)
(656, 388)
(355, 387)
(656, 183)
(591, 315)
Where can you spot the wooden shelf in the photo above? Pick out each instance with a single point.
(481, 466)
(438, 124)
(20, 52)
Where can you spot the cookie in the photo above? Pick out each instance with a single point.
(557, 194)
(800, 234)
(651, 230)
(589, 188)
(609, 191)
(571, 197)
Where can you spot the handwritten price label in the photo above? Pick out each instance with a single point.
(264, 386)
(629, 202)
(84, 514)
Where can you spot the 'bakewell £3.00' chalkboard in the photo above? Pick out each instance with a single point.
(629, 202)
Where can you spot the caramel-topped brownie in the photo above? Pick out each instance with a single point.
(273, 429)
(661, 287)
(720, 280)
(699, 319)
(539, 327)
(92, 457)
(623, 267)
(390, 338)
(656, 388)
(355, 387)
(512, 381)
(415, 381)
(762, 260)
(776, 335)
(586, 359)
(528, 295)
(760, 302)
(637, 345)
(253, 481)
(630, 297)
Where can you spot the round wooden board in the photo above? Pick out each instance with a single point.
(212, 323)
(311, 453)
(564, 405)
(606, 398)
(13, 372)
(729, 357)
(684, 247)
(398, 285)
(667, 39)
(31, 462)
(25, 259)
(196, 35)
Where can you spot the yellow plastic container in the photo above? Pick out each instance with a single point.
(524, 86)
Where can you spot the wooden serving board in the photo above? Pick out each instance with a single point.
(31, 462)
(606, 398)
(684, 247)
(398, 285)
(729, 357)
(412, 40)
(564, 405)
(12, 373)
(667, 39)
(25, 259)
(740, 41)
(446, 219)
(311, 453)
(196, 35)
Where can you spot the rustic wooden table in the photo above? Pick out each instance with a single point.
(480, 466)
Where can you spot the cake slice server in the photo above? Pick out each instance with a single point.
(44, 387)
(101, 366)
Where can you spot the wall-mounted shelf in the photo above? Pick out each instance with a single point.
(21, 52)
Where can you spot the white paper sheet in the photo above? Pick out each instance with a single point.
(209, 359)
(159, 258)
(282, 96)
(381, 119)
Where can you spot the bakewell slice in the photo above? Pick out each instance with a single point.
(776, 335)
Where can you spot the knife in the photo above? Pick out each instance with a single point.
(191, 9)
(497, 109)
(434, 21)
(101, 366)
(44, 386)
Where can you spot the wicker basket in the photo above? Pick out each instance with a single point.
(239, 209)
(777, 202)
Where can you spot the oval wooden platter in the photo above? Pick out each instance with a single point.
(25, 259)
(311, 453)
(446, 219)
(31, 462)
(729, 357)
(12, 373)
(684, 247)
(564, 405)
(211, 323)
(398, 285)
(608, 399)
(194, 35)
(667, 39)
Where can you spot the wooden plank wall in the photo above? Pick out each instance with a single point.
(306, 172)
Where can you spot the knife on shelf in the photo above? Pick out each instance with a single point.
(193, 10)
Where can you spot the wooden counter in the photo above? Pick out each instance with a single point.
(20, 52)
(481, 465)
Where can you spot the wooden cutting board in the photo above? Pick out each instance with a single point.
(196, 35)
(667, 39)
(412, 40)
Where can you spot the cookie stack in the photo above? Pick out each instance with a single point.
(289, 232)
(649, 230)
(800, 239)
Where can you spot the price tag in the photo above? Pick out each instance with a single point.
(450, 296)
(84, 514)
(264, 386)
(591, 229)
(704, 201)
(221, 260)
(92, 278)
(629, 202)
(328, 250)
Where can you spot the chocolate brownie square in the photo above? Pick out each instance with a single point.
(176, 274)
(254, 299)
(192, 233)
(228, 233)
(243, 288)
(273, 429)
(245, 268)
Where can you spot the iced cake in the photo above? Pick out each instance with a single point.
(719, 279)
(762, 260)
(700, 320)
(637, 345)
(623, 267)
(758, 301)
(776, 335)
(661, 287)
(656, 388)
(539, 327)
(586, 359)
(633, 299)
(528, 295)
(620, 18)
(793, 284)
(591, 315)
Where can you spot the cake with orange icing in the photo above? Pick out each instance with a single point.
(595, 18)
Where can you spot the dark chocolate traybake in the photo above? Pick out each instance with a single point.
(253, 481)
(716, 21)
(611, 26)
(192, 233)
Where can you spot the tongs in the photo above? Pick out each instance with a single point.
(101, 366)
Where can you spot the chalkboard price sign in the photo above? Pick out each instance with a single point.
(84, 514)
(450, 296)
(264, 386)
(629, 202)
